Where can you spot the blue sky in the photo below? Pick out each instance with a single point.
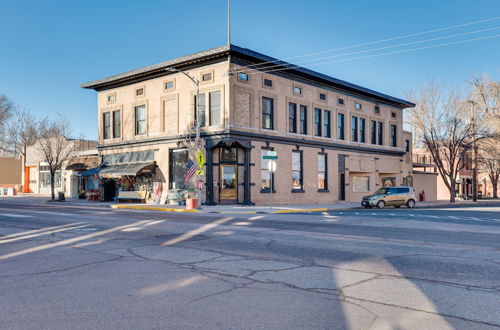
(48, 48)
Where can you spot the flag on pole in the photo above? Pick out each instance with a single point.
(192, 168)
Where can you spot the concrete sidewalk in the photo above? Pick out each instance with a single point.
(230, 209)
(285, 209)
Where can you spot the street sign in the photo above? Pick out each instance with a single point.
(269, 157)
(200, 144)
(271, 166)
(200, 184)
(200, 158)
(200, 172)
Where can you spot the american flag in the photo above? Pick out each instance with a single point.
(192, 167)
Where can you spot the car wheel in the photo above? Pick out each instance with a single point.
(397, 206)
(410, 204)
(381, 204)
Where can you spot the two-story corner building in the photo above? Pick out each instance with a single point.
(334, 140)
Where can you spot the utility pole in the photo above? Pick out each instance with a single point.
(474, 152)
(197, 121)
(229, 22)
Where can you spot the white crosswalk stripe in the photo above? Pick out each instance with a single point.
(12, 215)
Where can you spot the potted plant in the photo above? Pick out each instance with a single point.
(191, 198)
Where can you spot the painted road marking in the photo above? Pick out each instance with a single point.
(11, 215)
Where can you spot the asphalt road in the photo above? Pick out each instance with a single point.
(96, 268)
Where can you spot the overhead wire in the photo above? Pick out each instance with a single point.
(380, 54)
(382, 48)
(377, 41)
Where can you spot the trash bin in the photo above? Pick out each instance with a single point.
(60, 196)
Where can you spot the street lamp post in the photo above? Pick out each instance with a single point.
(197, 119)
(474, 152)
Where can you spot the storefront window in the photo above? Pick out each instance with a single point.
(297, 170)
(322, 183)
(361, 183)
(178, 168)
(265, 175)
(388, 181)
(44, 177)
(228, 154)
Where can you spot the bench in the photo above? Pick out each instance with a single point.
(139, 196)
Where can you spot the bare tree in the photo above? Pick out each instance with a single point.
(485, 96)
(442, 122)
(55, 146)
(6, 109)
(21, 132)
(489, 159)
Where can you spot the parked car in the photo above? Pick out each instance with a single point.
(390, 196)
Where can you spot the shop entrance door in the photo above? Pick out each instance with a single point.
(228, 184)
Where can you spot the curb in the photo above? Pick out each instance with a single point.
(150, 208)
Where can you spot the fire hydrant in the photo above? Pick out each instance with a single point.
(422, 196)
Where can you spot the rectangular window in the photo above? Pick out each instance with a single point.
(362, 130)
(377, 109)
(393, 114)
(268, 83)
(265, 175)
(340, 126)
(380, 133)
(322, 172)
(327, 126)
(407, 145)
(242, 76)
(117, 125)
(44, 177)
(322, 96)
(358, 106)
(206, 77)
(178, 168)
(139, 92)
(361, 184)
(341, 101)
(297, 170)
(317, 122)
(292, 117)
(140, 120)
(297, 90)
(199, 109)
(111, 98)
(354, 129)
(394, 138)
(106, 125)
(374, 132)
(169, 85)
(215, 108)
(267, 113)
(303, 119)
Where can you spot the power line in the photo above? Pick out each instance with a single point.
(383, 54)
(382, 48)
(380, 41)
